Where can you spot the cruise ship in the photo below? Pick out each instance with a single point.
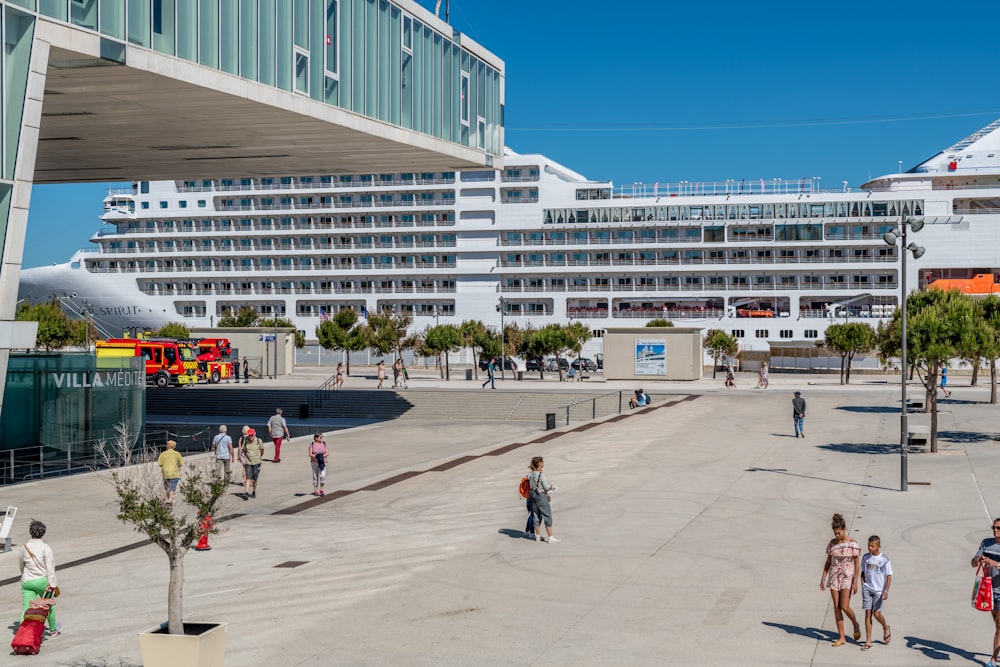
(771, 261)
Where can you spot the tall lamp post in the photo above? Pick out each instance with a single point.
(916, 224)
(501, 308)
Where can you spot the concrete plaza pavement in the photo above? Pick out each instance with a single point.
(693, 533)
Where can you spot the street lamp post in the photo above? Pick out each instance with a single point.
(501, 307)
(916, 224)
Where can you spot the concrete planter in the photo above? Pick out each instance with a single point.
(201, 645)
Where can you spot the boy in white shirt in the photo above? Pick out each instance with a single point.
(876, 573)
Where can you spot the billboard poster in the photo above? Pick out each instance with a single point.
(651, 356)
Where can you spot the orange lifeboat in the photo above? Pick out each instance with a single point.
(747, 312)
(981, 283)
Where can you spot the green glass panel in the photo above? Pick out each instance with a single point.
(229, 37)
(208, 33)
(357, 79)
(300, 30)
(163, 26)
(187, 29)
(112, 19)
(331, 37)
(84, 13)
(346, 55)
(27, 4)
(395, 65)
(138, 21)
(54, 8)
(383, 80)
(249, 30)
(371, 58)
(266, 37)
(283, 52)
(17, 62)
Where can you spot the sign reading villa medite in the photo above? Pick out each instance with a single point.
(650, 356)
(99, 379)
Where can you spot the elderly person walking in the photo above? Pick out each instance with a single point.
(223, 445)
(38, 572)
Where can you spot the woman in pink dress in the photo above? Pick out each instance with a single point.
(840, 575)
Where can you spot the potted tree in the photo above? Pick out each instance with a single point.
(138, 483)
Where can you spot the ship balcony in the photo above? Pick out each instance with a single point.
(510, 178)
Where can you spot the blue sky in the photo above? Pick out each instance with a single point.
(664, 92)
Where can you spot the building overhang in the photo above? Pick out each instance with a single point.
(162, 118)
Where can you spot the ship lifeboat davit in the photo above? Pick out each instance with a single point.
(980, 284)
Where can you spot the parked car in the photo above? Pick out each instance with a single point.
(510, 364)
(534, 363)
(553, 365)
(587, 364)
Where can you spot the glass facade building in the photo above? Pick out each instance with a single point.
(389, 61)
(57, 406)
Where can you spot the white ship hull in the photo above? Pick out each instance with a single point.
(772, 261)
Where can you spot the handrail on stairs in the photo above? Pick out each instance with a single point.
(322, 392)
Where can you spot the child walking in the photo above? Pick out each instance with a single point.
(876, 574)
(840, 576)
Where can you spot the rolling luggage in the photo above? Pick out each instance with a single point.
(28, 639)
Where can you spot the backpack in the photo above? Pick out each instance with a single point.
(524, 488)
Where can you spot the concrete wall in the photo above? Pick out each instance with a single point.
(683, 354)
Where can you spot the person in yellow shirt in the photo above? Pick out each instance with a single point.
(171, 461)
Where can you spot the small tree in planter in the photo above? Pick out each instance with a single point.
(138, 482)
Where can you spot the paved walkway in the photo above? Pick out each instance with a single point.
(692, 534)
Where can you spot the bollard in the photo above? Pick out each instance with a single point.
(550, 421)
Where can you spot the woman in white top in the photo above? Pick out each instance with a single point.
(38, 572)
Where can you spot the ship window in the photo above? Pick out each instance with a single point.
(762, 333)
(811, 333)
(785, 333)
(738, 333)
(145, 205)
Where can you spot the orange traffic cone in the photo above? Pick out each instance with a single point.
(203, 544)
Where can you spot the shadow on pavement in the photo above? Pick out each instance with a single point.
(965, 436)
(870, 409)
(941, 651)
(861, 448)
(101, 662)
(784, 471)
(809, 633)
(513, 534)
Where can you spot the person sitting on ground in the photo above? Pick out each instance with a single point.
(640, 399)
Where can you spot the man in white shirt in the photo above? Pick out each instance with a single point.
(223, 452)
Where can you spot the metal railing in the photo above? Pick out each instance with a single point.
(585, 408)
(26, 464)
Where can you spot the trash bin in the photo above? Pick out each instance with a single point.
(468, 373)
(550, 421)
(303, 411)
